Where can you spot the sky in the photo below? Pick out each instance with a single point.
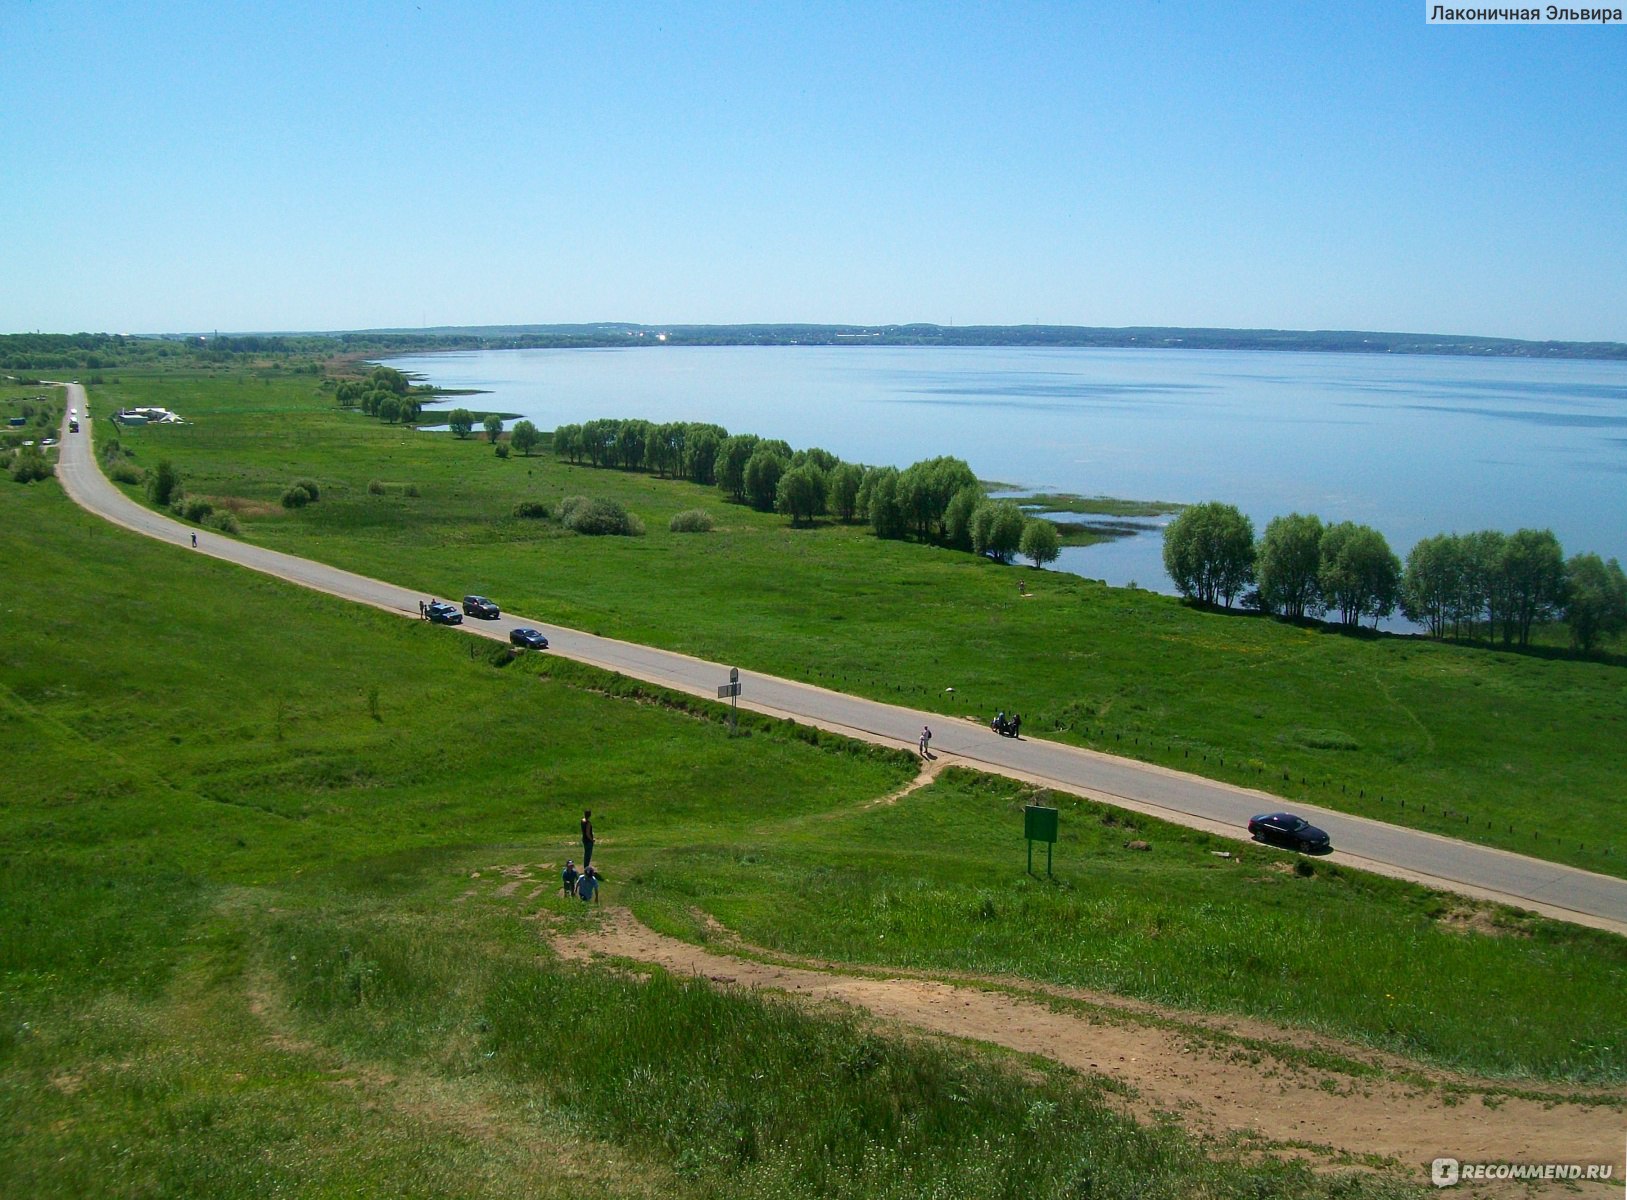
(180, 167)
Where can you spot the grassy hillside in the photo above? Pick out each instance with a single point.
(1519, 751)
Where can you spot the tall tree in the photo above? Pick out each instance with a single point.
(878, 500)
(845, 482)
(525, 437)
(493, 425)
(1286, 565)
(957, 517)
(763, 471)
(1041, 543)
(1533, 577)
(1209, 552)
(732, 457)
(568, 442)
(1595, 600)
(800, 493)
(997, 529)
(1359, 576)
(1435, 582)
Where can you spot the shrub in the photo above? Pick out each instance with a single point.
(226, 521)
(295, 497)
(197, 509)
(692, 520)
(502, 449)
(410, 490)
(28, 467)
(310, 485)
(534, 510)
(125, 472)
(375, 487)
(164, 485)
(597, 517)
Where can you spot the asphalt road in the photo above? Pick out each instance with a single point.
(1554, 890)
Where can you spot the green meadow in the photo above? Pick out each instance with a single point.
(240, 820)
(1522, 751)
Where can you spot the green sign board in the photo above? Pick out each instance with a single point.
(1039, 825)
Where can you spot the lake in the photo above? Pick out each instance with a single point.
(1412, 445)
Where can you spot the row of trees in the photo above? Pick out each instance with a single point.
(1454, 584)
(385, 393)
(938, 500)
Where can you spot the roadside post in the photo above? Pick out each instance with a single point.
(731, 692)
(1039, 825)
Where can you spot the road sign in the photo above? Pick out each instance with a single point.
(731, 692)
(1039, 825)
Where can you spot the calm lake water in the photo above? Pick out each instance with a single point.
(1411, 445)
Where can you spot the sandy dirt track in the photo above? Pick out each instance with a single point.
(1211, 1072)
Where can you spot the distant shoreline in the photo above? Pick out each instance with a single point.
(520, 337)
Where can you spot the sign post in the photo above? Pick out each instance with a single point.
(731, 691)
(1039, 825)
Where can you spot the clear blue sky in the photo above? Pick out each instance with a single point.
(180, 166)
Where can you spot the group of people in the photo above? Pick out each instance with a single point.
(584, 883)
(1007, 726)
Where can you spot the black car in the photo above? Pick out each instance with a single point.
(479, 606)
(531, 639)
(1285, 829)
(442, 613)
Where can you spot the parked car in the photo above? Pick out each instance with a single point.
(442, 613)
(479, 606)
(531, 639)
(1285, 829)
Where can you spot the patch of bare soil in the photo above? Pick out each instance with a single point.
(1403, 1113)
(929, 772)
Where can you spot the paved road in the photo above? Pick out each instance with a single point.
(1558, 891)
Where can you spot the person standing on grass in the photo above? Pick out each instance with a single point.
(587, 838)
(587, 886)
(569, 877)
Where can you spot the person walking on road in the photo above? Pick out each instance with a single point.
(926, 742)
(194, 541)
(587, 838)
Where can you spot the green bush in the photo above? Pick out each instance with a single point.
(164, 484)
(29, 466)
(534, 510)
(311, 486)
(295, 497)
(196, 509)
(375, 487)
(410, 490)
(691, 520)
(226, 521)
(125, 472)
(598, 517)
(502, 449)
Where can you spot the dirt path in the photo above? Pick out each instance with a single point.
(1401, 1113)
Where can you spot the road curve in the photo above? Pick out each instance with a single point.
(1566, 893)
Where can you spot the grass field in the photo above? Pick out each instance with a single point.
(237, 821)
(1519, 751)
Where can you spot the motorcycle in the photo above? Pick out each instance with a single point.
(1007, 726)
